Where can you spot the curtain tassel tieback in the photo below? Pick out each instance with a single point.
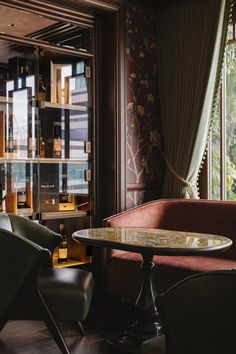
(190, 188)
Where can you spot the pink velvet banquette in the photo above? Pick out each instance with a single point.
(123, 275)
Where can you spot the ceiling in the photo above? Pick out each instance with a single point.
(23, 22)
(26, 24)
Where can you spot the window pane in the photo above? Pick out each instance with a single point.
(231, 121)
(216, 156)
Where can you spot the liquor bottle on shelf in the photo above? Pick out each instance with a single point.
(31, 147)
(42, 92)
(63, 249)
(42, 148)
(57, 140)
(21, 199)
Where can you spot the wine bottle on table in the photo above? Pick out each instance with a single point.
(63, 249)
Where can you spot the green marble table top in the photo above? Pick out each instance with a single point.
(155, 241)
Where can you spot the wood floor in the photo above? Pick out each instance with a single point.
(32, 337)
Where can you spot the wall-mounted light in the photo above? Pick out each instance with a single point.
(11, 25)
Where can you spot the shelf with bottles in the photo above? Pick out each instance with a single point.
(70, 253)
(55, 139)
(63, 205)
(16, 194)
(63, 189)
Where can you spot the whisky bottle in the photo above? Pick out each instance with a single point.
(42, 148)
(57, 148)
(21, 199)
(62, 250)
(31, 146)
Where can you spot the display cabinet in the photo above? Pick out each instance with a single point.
(45, 146)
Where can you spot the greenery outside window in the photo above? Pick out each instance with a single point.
(222, 145)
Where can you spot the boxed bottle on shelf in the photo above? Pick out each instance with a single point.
(60, 82)
(49, 187)
(66, 201)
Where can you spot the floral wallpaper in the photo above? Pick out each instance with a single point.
(144, 141)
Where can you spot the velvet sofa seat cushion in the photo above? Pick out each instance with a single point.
(168, 270)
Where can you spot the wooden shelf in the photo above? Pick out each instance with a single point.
(73, 107)
(69, 263)
(63, 214)
(47, 104)
(11, 159)
(62, 160)
(3, 99)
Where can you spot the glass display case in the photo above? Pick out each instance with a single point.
(45, 148)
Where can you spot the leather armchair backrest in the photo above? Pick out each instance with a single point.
(34, 232)
(18, 258)
(198, 314)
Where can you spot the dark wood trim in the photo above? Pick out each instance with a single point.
(121, 118)
(45, 45)
(93, 5)
(110, 116)
(143, 187)
(106, 115)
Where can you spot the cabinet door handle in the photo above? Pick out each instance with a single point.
(88, 175)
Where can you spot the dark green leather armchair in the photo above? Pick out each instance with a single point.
(198, 316)
(30, 287)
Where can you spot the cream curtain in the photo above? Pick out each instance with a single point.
(190, 54)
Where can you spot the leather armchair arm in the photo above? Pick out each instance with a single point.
(34, 232)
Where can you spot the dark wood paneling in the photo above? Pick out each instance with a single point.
(105, 117)
(110, 115)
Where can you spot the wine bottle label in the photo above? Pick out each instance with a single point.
(62, 255)
(21, 199)
(62, 252)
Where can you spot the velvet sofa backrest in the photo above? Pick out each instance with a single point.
(208, 216)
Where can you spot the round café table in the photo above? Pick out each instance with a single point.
(149, 242)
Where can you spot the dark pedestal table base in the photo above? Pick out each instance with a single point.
(146, 322)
